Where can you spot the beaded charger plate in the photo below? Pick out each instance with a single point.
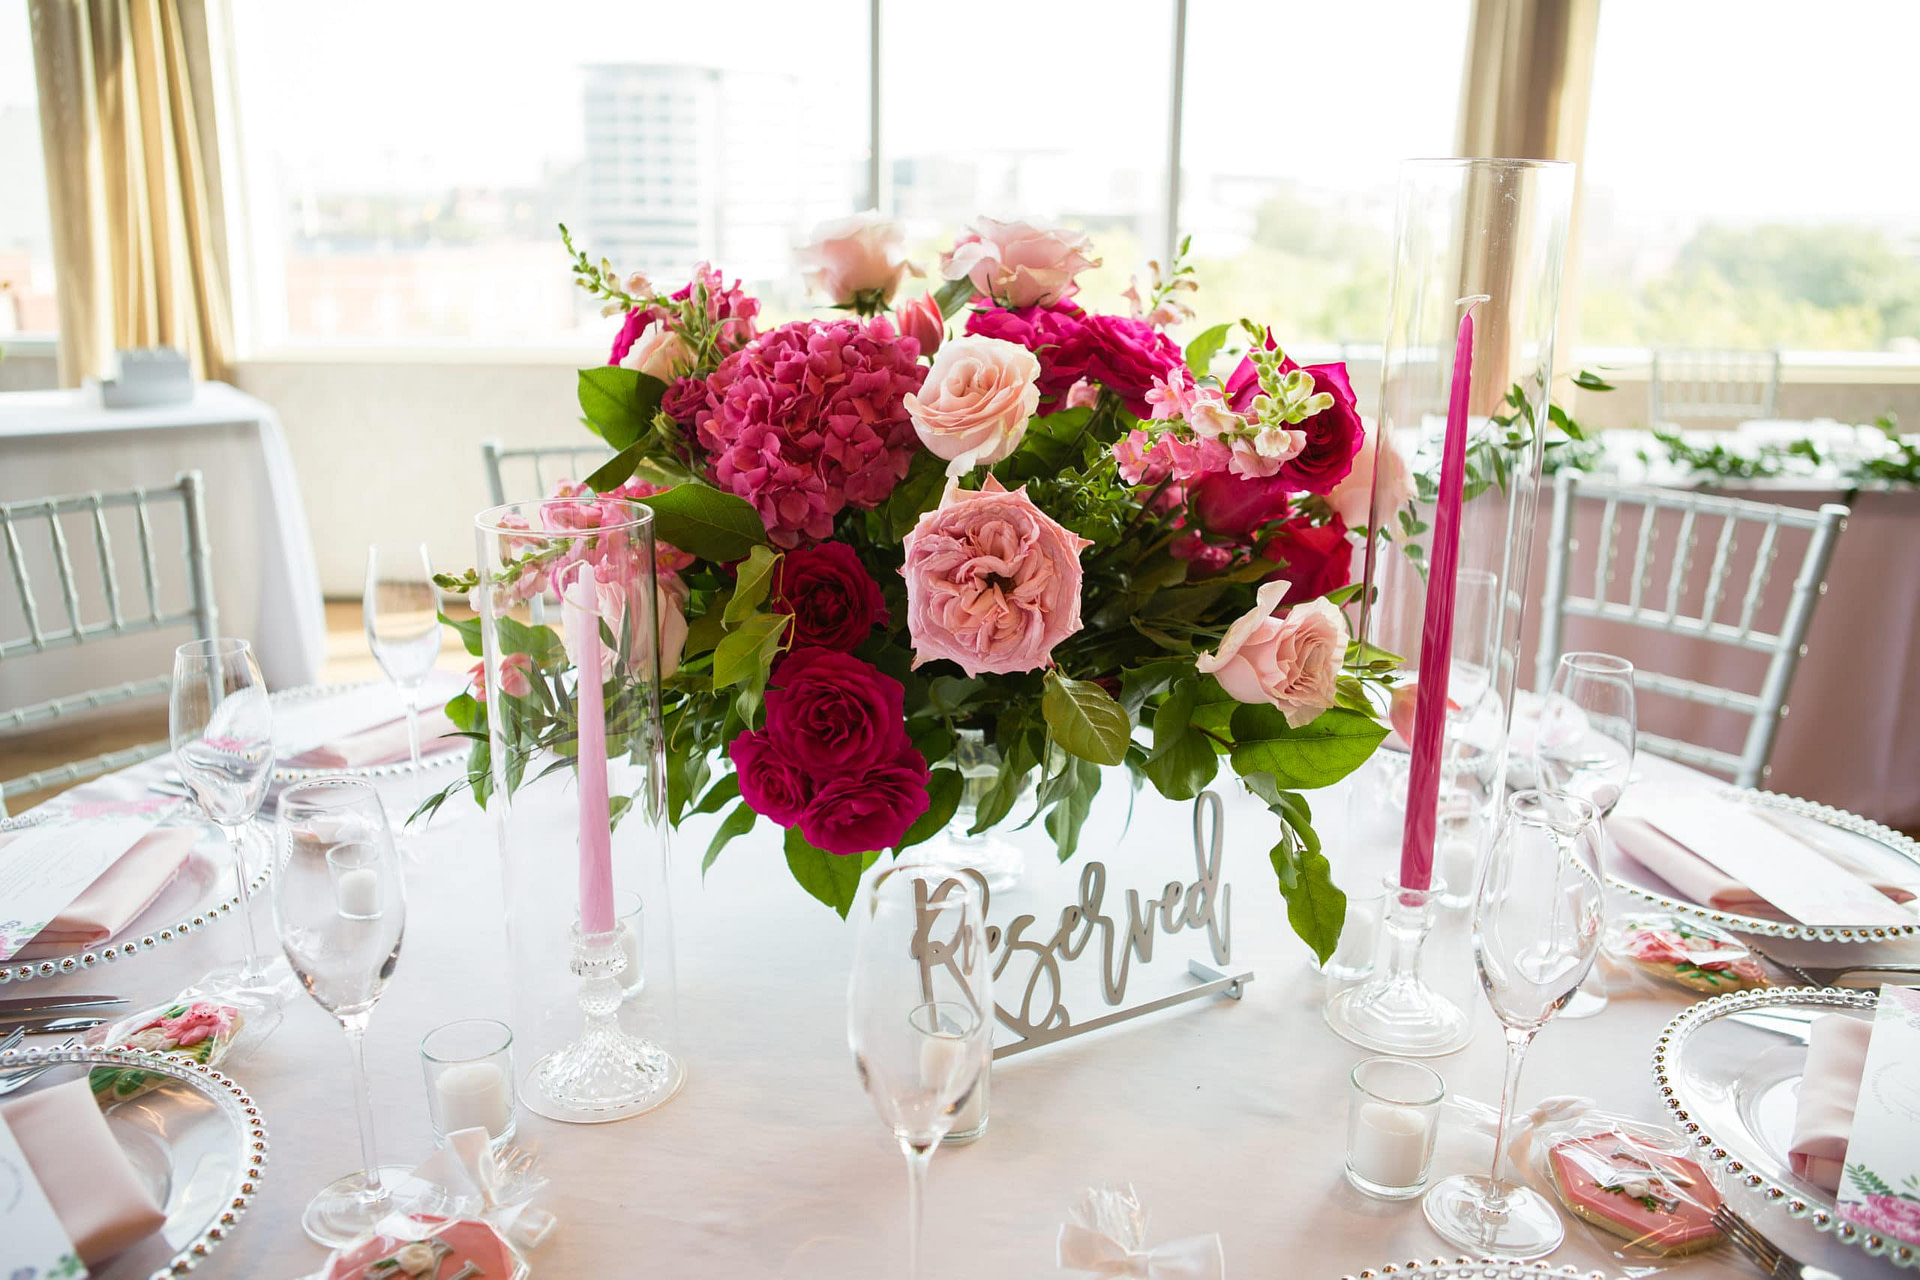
(435, 753)
(1728, 1070)
(1470, 1269)
(1848, 836)
(197, 1141)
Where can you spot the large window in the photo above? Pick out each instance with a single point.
(26, 245)
(1749, 177)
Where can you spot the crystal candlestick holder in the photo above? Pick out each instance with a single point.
(605, 1073)
(1396, 1011)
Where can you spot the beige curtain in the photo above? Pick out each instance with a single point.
(133, 186)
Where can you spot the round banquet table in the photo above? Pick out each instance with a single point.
(1226, 1116)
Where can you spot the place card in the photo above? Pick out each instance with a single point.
(36, 1244)
(1781, 868)
(44, 867)
(1881, 1186)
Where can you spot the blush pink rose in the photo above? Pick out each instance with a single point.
(515, 669)
(852, 256)
(1290, 663)
(610, 600)
(993, 582)
(1018, 264)
(974, 406)
(1352, 498)
(659, 353)
(921, 320)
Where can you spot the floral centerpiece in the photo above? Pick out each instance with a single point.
(983, 507)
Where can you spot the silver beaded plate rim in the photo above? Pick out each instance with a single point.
(1817, 1212)
(227, 1096)
(399, 769)
(205, 914)
(1474, 1269)
(1840, 820)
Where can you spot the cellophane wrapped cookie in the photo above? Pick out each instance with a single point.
(1632, 1182)
(427, 1247)
(198, 1029)
(1685, 953)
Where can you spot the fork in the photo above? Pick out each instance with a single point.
(1764, 1252)
(1827, 977)
(22, 1076)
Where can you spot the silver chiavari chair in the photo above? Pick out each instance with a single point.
(551, 464)
(59, 625)
(1724, 612)
(1728, 387)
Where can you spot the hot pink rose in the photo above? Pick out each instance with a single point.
(684, 400)
(1229, 506)
(833, 713)
(514, 671)
(1353, 496)
(973, 408)
(921, 320)
(1314, 558)
(1332, 436)
(771, 784)
(993, 582)
(1018, 264)
(659, 353)
(873, 811)
(1290, 663)
(833, 601)
(1128, 357)
(859, 255)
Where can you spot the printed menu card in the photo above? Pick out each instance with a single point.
(1881, 1186)
(44, 867)
(36, 1244)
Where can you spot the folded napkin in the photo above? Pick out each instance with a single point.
(381, 744)
(1829, 1088)
(1702, 882)
(117, 897)
(101, 1203)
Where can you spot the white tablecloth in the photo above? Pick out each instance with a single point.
(1227, 1117)
(265, 585)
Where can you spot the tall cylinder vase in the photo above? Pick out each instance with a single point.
(569, 601)
(1456, 462)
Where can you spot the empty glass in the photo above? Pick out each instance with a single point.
(920, 1014)
(340, 909)
(400, 610)
(220, 723)
(1584, 746)
(1537, 917)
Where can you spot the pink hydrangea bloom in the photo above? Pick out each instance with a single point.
(808, 419)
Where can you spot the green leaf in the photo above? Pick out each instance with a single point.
(701, 520)
(541, 643)
(750, 588)
(1069, 814)
(1317, 754)
(931, 738)
(1142, 682)
(1205, 346)
(1019, 753)
(466, 712)
(469, 635)
(619, 403)
(1315, 906)
(747, 650)
(705, 631)
(1587, 380)
(718, 794)
(737, 823)
(952, 296)
(615, 471)
(1182, 762)
(948, 695)
(918, 491)
(1085, 719)
(830, 877)
(944, 788)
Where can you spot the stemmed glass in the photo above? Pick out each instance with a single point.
(1537, 919)
(1584, 747)
(920, 1013)
(220, 723)
(340, 910)
(400, 609)
(1470, 673)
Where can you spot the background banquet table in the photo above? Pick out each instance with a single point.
(265, 585)
(1226, 1117)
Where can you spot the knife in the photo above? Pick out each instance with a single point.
(33, 1006)
(51, 1025)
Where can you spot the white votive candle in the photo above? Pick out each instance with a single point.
(630, 947)
(473, 1095)
(357, 890)
(1389, 1144)
(1391, 1123)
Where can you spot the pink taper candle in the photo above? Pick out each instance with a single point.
(1436, 631)
(582, 620)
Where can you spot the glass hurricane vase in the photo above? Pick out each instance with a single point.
(1000, 861)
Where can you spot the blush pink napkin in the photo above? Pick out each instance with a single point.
(117, 898)
(382, 744)
(1836, 1060)
(1703, 882)
(101, 1203)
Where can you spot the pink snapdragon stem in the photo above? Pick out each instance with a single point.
(596, 837)
(1436, 631)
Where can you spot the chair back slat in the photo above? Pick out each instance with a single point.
(1642, 559)
(1609, 539)
(149, 566)
(29, 607)
(109, 575)
(580, 463)
(1726, 386)
(1762, 570)
(1717, 576)
(1682, 563)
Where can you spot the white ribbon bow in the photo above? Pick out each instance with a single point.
(1194, 1258)
(1485, 1119)
(467, 1173)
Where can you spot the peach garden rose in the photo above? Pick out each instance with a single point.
(1291, 663)
(973, 408)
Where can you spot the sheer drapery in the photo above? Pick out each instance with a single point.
(127, 122)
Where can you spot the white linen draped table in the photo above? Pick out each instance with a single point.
(1226, 1116)
(266, 587)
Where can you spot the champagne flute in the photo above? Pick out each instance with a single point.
(340, 910)
(1584, 746)
(220, 723)
(400, 610)
(920, 1014)
(1537, 917)
(1470, 672)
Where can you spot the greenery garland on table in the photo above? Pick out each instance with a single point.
(1716, 460)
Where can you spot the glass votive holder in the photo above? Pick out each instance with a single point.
(354, 870)
(469, 1069)
(1352, 957)
(629, 920)
(1393, 1116)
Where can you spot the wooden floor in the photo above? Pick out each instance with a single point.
(348, 659)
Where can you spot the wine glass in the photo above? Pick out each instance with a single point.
(1584, 746)
(400, 609)
(920, 1013)
(1470, 671)
(340, 910)
(1537, 918)
(220, 723)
